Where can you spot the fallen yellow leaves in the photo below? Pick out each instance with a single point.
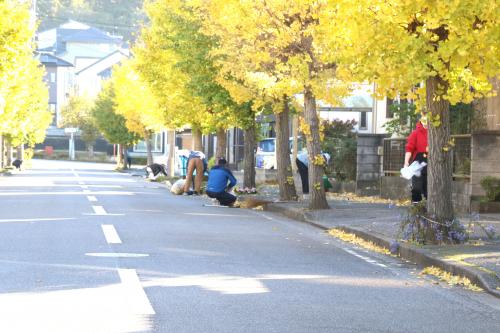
(361, 199)
(450, 279)
(353, 239)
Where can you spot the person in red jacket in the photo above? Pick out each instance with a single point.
(417, 149)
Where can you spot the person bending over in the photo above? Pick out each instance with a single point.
(218, 187)
(302, 162)
(154, 170)
(196, 161)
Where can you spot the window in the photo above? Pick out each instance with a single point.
(52, 109)
(52, 77)
(389, 112)
(156, 144)
(363, 121)
(267, 146)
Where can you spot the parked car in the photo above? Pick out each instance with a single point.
(265, 158)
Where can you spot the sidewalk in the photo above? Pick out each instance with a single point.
(479, 260)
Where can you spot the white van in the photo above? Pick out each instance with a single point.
(265, 158)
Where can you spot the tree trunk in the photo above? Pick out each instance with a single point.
(20, 152)
(8, 159)
(171, 153)
(283, 164)
(149, 149)
(197, 139)
(316, 187)
(221, 148)
(119, 157)
(124, 157)
(249, 157)
(2, 152)
(90, 150)
(439, 174)
(295, 145)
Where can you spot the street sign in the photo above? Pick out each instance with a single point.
(70, 130)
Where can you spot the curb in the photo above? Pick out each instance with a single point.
(406, 251)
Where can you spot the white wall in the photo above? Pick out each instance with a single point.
(65, 78)
(76, 50)
(379, 116)
(88, 82)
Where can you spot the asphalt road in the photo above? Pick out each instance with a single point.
(86, 249)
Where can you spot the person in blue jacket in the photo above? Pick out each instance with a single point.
(218, 187)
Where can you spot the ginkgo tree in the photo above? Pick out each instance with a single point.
(233, 56)
(24, 113)
(135, 101)
(449, 49)
(77, 113)
(175, 61)
(111, 124)
(281, 45)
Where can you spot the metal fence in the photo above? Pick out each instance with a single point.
(394, 154)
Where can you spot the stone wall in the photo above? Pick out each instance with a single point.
(397, 188)
(461, 196)
(262, 176)
(485, 159)
(369, 164)
(342, 187)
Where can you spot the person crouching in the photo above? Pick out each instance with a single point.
(218, 187)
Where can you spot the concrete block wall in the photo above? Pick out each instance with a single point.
(262, 176)
(397, 188)
(369, 164)
(485, 159)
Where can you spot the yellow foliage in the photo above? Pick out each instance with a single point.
(319, 160)
(24, 114)
(353, 239)
(135, 100)
(450, 279)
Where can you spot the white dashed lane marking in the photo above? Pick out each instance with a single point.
(99, 210)
(91, 198)
(368, 260)
(136, 296)
(111, 234)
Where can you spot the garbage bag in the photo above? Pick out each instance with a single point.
(413, 170)
(178, 187)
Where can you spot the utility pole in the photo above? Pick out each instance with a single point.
(33, 13)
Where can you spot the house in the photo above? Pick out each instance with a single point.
(78, 43)
(88, 80)
(83, 56)
(59, 78)
(76, 57)
(370, 114)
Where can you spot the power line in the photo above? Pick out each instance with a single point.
(113, 26)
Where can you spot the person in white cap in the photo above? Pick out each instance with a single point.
(302, 162)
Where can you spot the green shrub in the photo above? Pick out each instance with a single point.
(340, 142)
(140, 160)
(211, 163)
(160, 179)
(492, 187)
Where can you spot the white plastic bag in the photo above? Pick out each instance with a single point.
(414, 169)
(178, 187)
